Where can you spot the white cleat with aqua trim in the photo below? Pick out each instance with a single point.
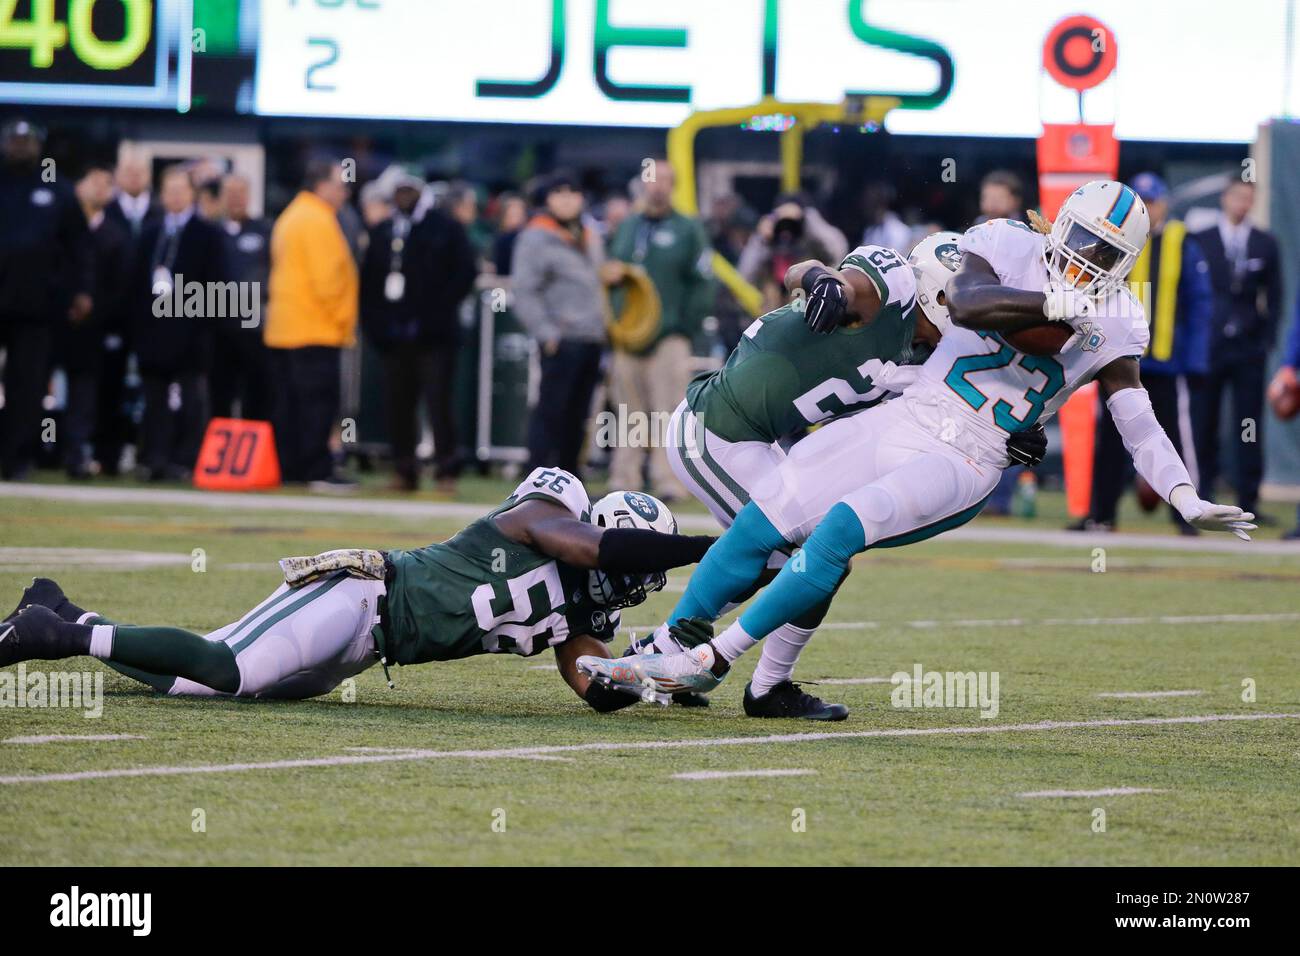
(657, 673)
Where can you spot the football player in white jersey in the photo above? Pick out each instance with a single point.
(913, 468)
(860, 331)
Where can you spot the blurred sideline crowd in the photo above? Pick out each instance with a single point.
(94, 271)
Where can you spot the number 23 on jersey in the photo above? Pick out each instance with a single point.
(968, 367)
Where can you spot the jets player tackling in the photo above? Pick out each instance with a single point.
(544, 569)
(916, 467)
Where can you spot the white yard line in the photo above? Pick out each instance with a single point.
(56, 738)
(99, 558)
(630, 746)
(253, 501)
(1107, 792)
(1112, 621)
(1149, 694)
(724, 774)
(417, 751)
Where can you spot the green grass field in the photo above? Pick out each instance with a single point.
(502, 740)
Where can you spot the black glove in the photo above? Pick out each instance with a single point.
(691, 632)
(1028, 447)
(827, 301)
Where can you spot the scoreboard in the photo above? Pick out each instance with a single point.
(95, 52)
(1186, 69)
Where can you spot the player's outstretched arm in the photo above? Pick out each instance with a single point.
(598, 697)
(978, 300)
(1154, 456)
(552, 530)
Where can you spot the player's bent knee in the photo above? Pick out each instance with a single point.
(755, 531)
(831, 547)
(874, 507)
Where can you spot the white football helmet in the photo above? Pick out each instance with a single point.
(629, 509)
(933, 260)
(1097, 236)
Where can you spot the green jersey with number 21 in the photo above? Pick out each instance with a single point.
(783, 377)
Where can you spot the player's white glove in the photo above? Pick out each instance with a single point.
(1208, 516)
(1066, 305)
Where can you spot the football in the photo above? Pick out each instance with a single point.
(1041, 339)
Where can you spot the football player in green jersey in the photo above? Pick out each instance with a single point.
(544, 569)
(852, 337)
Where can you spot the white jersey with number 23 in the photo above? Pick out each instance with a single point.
(975, 390)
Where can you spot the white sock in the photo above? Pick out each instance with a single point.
(101, 641)
(87, 617)
(780, 654)
(733, 642)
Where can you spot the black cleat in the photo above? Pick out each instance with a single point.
(689, 698)
(47, 593)
(37, 633)
(787, 700)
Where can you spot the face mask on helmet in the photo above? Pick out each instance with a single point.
(1086, 261)
(1096, 239)
(628, 509)
(614, 591)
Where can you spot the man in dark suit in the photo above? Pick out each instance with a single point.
(417, 269)
(133, 209)
(241, 381)
(45, 280)
(1246, 274)
(176, 255)
(81, 343)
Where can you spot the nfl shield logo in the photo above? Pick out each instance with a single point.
(1091, 337)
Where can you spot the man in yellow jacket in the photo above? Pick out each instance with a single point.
(311, 317)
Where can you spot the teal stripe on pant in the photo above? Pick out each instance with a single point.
(937, 528)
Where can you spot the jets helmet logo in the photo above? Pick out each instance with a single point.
(949, 255)
(642, 505)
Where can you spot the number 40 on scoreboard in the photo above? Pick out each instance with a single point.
(94, 52)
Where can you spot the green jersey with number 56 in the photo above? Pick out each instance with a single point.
(783, 376)
(481, 593)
